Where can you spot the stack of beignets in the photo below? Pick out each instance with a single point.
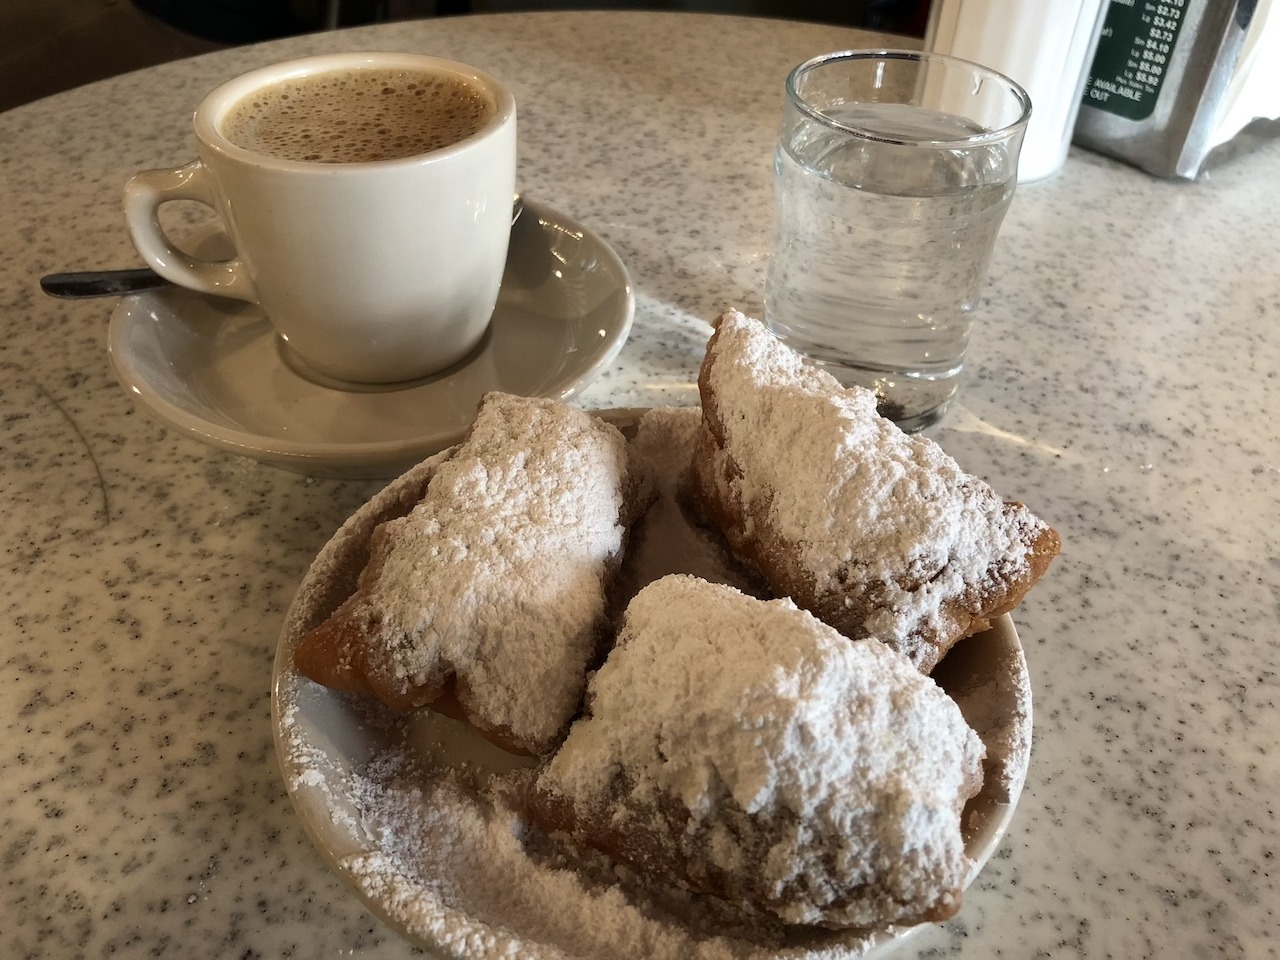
(876, 532)
(748, 749)
(490, 596)
(798, 761)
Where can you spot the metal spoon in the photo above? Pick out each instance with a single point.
(101, 283)
(85, 284)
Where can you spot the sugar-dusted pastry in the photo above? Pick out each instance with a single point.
(747, 749)
(490, 596)
(876, 532)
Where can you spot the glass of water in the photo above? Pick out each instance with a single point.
(893, 172)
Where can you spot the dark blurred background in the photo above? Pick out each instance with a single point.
(51, 45)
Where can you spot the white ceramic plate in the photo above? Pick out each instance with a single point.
(345, 760)
(213, 368)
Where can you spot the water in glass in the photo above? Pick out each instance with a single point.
(880, 247)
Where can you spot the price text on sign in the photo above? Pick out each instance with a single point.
(1133, 55)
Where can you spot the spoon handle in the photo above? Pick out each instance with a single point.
(119, 283)
(101, 283)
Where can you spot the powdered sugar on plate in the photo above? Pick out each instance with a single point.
(413, 810)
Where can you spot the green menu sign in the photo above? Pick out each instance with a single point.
(1133, 56)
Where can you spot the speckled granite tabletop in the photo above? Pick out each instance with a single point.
(1122, 380)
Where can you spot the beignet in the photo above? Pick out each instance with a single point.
(749, 750)
(489, 598)
(875, 532)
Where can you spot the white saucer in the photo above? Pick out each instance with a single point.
(214, 369)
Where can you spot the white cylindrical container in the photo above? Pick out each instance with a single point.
(1046, 46)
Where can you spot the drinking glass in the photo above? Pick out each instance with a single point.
(893, 172)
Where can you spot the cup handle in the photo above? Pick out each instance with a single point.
(143, 196)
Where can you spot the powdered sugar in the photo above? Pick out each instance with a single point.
(665, 540)
(990, 685)
(867, 509)
(498, 575)
(850, 766)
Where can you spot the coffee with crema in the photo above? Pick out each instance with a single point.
(358, 115)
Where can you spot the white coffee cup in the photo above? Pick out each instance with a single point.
(372, 271)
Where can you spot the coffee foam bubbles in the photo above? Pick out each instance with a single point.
(359, 115)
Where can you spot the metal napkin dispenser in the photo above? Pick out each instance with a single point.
(1178, 85)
